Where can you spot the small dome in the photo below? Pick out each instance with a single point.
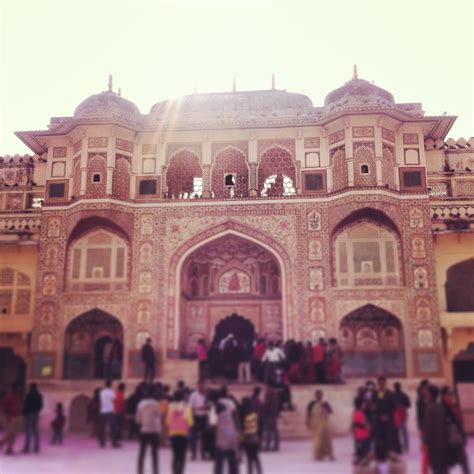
(239, 103)
(107, 104)
(358, 92)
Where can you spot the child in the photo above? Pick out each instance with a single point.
(58, 425)
(361, 431)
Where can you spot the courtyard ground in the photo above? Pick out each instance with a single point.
(81, 455)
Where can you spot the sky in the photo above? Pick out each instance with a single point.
(55, 54)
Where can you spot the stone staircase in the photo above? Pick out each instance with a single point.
(292, 423)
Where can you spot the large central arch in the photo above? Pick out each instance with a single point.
(229, 275)
(229, 228)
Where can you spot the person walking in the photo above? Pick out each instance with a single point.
(435, 432)
(12, 409)
(93, 412)
(421, 400)
(456, 434)
(245, 358)
(271, 411)
(119, 410)
(148, 418)
(201, 354)
(107, 415)
(319, 357)
(149, 360)
(179, 420)
(361, 430)
(227, 436)
(385, 433)
(400, 416)
(58, 425)
(198, 405)
(272, 358)
(317, 421)
(251, 438)
(32, 407)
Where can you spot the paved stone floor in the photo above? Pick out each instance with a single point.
(80, 455)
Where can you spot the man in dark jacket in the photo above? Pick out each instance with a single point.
(435, 431)
(32, 407)
(385, 433)
(149, 359)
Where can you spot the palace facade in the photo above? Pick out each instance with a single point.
(353, 220)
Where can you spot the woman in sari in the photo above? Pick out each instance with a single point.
(317, 421)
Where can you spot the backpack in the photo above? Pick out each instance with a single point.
(177, 420)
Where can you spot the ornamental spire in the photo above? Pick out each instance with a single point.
(354, 73)
(110, 83)
(273, 82)
(234, 85)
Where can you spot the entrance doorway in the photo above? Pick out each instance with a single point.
(242, 329)
(93, 346)
(233, 336)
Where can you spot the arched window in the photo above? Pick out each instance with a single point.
(184, 176)
(278, 185)
(15, 292)
(98, 261)
(460, 286)
(276, 173)
(367, 255)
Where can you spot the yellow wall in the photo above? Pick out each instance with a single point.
(451, 249)
(24, 259)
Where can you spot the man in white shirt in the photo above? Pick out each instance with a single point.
(198, 405)
(149, 418)
(107, 415)
(272, 358)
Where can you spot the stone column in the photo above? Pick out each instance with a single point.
(350, 172)
(110, 165)
(378, 170)
(83, 166)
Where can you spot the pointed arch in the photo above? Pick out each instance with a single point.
(239, 230)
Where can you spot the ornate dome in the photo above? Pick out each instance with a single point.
(358, 92)
(233, 104)
(107, 104)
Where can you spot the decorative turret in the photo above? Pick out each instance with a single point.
(107, 104)
(358, 93)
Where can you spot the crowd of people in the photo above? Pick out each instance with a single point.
(208, 422)
(211, 423)
(300, 363)
(379, 426)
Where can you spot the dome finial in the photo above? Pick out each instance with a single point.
(234, 85)
(355, 76)
(110, 82)
(119, 91)
(273, 82)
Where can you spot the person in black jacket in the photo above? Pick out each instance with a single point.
(32, 407)
(149, 359)
(385, 433)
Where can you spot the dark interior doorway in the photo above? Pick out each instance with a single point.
(240, 327)
(463, 365)
(13, 370)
